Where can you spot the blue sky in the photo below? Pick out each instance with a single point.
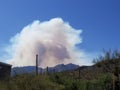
(99, 19)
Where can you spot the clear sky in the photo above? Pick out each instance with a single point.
(99, 19)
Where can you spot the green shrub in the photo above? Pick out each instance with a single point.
(30, 82)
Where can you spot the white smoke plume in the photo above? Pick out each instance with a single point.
(54, 41)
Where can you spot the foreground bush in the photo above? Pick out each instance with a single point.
(30, 82)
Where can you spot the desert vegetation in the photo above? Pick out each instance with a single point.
(103, 75)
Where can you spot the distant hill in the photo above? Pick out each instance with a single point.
(63, 67)
(32, 69)
(21, 70)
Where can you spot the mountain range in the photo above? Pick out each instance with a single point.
(32, 69)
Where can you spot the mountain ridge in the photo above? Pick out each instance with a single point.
(32, 69)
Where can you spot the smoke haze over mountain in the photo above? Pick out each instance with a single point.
(54, 41)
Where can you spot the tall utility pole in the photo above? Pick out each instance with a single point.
(36, 64)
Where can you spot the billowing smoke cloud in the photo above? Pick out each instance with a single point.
(54, 41)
